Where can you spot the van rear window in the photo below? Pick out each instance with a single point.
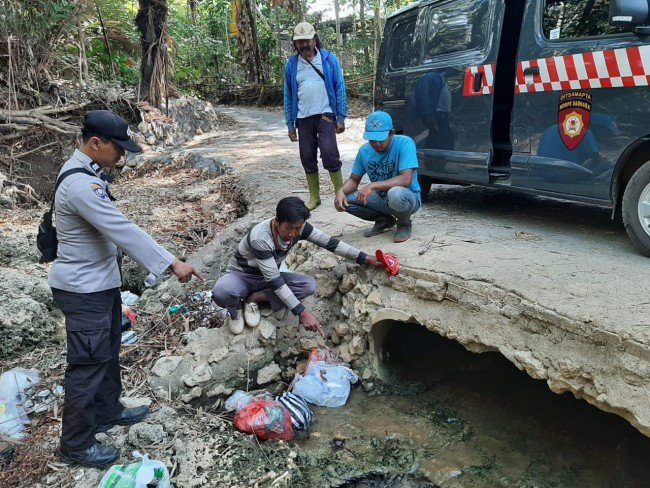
(567, 19)
(459, 25)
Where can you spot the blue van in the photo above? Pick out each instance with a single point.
(548, 97)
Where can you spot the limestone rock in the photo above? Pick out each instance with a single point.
(326, 286)
(194, 393)
(166, 365)
(342, 329)
(328, 263)
(200, 374)
(144, 434)
(375, 298)
(218, 355)
(266, 332)
(348, 282)
(219, 390)
(357, 345)
(194, 193)
(270, 372)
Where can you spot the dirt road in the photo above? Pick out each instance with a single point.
(567, 257)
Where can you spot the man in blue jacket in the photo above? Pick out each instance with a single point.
(316, 105)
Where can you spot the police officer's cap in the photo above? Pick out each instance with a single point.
(107, 124)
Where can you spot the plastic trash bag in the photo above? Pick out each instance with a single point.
(238, 400)
(326, 382)
(301, 416)
(129, 298)
(13, 416)
(267, 419)
(144, 473)
(14, 382)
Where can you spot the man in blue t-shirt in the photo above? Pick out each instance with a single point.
(393, 195)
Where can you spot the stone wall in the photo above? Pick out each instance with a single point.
(609, 370)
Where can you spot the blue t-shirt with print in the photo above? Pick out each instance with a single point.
(382, 166)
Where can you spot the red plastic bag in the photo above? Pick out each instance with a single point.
(267, 419)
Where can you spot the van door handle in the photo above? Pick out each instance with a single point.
(532, 70)
(478, 81)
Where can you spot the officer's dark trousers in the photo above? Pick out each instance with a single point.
(92, 379)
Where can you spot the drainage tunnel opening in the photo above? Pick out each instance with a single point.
(503, 403)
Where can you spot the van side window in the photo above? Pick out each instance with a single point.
(567, 19)
(459, 25)
(403, 52)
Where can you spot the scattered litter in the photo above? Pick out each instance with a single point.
(301, 416)
(129, 298)
(147, 472)
(128, 318)
(182, 309)
(326, 382)
(267, 419)
(238, 400)
(202, 310)
(13, 386)
(129, 337)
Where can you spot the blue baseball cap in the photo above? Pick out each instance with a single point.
(378, 126)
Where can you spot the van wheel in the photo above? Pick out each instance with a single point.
(425, 185)
(636, 209)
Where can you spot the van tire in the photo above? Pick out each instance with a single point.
(425, 185)
(636, 221)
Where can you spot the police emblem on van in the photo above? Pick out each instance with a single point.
(573, 117)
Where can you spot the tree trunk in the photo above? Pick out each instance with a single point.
(362, 32)
(249, 50)
(151, 21)
(339, 41)
(191, 4)
(84, 76)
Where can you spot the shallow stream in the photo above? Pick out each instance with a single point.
(468, 420)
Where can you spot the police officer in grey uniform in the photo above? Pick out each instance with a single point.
(85, 281)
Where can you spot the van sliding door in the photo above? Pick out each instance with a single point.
(575, 90)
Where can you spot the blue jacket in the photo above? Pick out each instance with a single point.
(334, 85)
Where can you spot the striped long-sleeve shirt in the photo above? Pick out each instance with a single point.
(257, 254)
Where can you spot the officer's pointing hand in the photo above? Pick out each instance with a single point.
(185, 271)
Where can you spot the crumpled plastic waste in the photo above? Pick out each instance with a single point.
(129, 337)
(129, 298)
(146, 472)
(239, 399)
(200, 307)
(13, 386)
(267, 419)
(326, 382)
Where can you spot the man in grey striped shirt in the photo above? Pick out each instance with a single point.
(253, 274)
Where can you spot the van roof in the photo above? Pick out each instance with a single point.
(412, 6)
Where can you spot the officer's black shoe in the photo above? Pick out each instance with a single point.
(97, 456)
(127, 417)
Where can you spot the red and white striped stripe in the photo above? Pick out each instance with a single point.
(487, 79)
(615, 68)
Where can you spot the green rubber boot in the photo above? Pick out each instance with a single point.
(314, 191)
(337, 180)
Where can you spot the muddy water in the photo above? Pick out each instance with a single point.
(479, 423)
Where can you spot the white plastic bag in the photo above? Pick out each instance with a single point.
(137, 475)
(13, 416)
(326, 382)
(238, 400)
(14, 382)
